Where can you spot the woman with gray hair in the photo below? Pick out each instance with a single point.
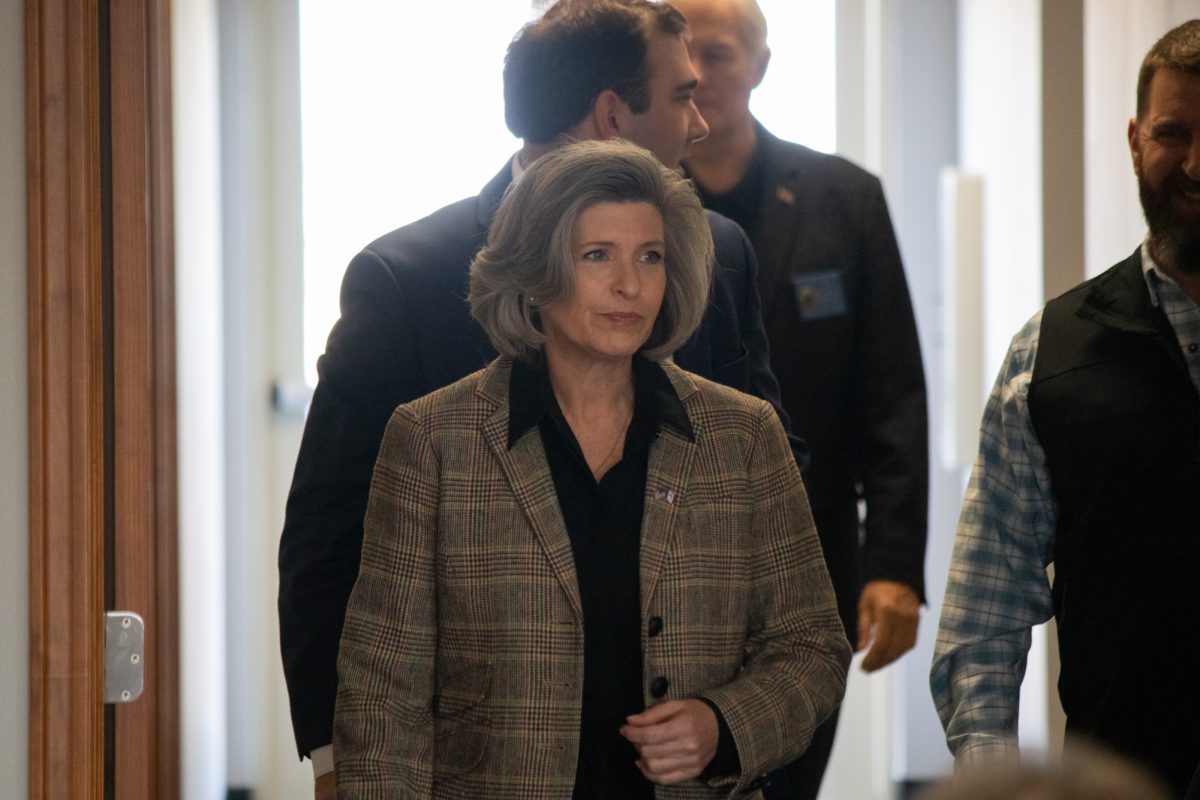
(586, 572)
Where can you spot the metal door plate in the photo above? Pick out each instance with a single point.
(124, 652)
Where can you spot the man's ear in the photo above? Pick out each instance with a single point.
(1135, 146)
(764, 58)
(607, 115)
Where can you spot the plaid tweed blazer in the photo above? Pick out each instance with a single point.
(461, 662)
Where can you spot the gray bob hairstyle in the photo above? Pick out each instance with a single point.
(528, 251)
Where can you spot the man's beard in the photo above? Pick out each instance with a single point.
(1174, 239)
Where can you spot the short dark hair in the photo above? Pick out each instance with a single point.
(558, 65)
(528, 252)
(1178, 49)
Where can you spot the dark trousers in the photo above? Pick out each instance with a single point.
(801, 779)
(1193, 791)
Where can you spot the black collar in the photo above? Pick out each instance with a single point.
(1120, 299)
(490, 196)
(531, 398)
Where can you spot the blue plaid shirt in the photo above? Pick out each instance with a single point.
(997, 588)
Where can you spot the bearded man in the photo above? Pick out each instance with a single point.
(1090, 459)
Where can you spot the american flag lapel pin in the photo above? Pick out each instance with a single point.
(785, 195)
(665, 494)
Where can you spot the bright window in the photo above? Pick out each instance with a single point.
(402, 113)
(797, 99)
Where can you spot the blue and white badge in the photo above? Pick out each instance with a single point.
(820, 295)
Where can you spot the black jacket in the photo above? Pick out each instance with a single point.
(405, 330)
(844, 347)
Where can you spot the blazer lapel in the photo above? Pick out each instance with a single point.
(528, 474)
(670, 465)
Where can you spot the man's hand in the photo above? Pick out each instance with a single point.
(325, 789)
(888, 612)
(675, 740)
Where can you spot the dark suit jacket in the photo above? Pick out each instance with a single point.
(405, 331)
(844, 347)
(462, 661)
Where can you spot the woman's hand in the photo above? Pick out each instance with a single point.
(675, 740)
(325, 788)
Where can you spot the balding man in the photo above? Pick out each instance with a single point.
(842, 334)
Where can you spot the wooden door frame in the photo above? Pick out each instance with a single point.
(101, 392)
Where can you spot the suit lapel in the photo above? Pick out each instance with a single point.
(489, 198)
(526, 470)
(781, 198)
(670, 465)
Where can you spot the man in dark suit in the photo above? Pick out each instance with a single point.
(843, 339)
(587, 70)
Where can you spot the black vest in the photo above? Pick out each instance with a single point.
(1119, 419)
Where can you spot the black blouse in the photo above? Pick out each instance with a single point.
(604, 523)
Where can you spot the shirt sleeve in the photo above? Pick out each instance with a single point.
(725, 761)
(997, 588)
(322, 760)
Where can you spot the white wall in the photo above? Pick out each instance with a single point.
(238, 278)
(261, 218)
(1000, 136)
(920, 137)
(1000, 139)
(897, 116)
(1117, 34)
(14, 463)
(198, 318)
